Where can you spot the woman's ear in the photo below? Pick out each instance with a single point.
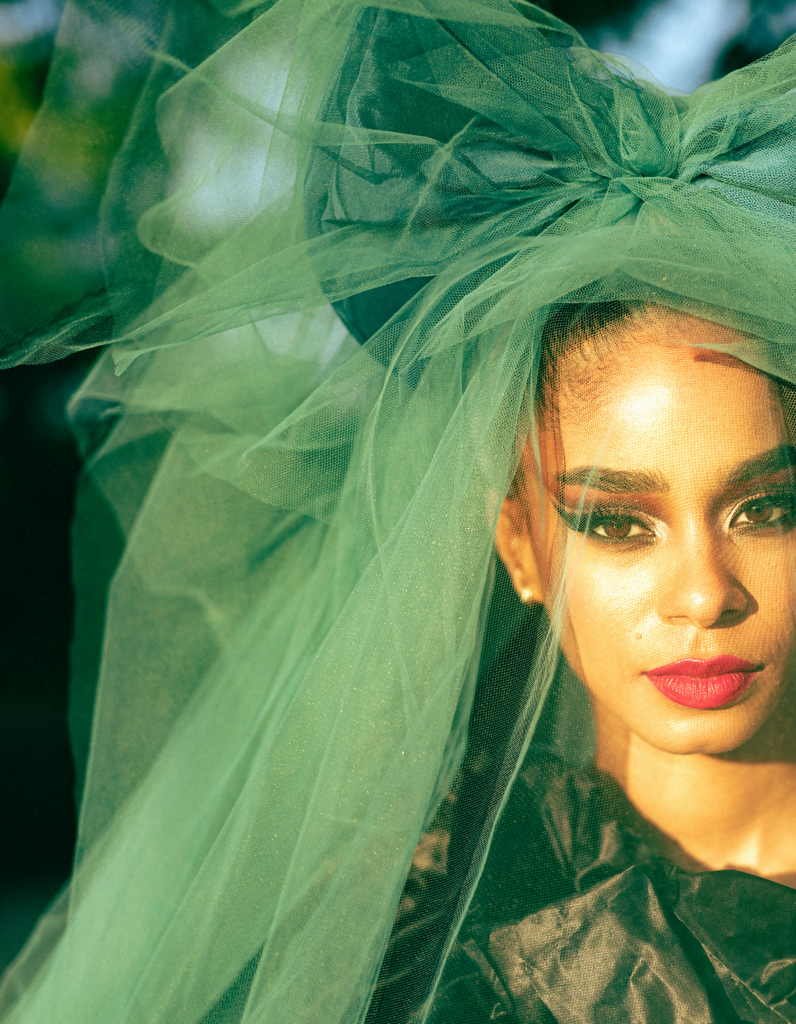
(513, 543)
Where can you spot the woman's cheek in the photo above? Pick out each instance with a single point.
(771, 586)
(606, 619)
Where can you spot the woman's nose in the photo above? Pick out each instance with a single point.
(702, 590)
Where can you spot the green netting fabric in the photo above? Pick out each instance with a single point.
(305, 525)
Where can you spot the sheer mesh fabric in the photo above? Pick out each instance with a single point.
(337, 771)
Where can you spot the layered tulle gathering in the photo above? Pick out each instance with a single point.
(298, 528)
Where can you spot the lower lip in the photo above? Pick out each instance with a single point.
(708, 692)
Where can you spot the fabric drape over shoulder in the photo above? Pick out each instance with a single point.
(321, 240)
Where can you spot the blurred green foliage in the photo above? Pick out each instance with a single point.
(17, 104)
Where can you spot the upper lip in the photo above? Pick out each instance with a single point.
(700, 668)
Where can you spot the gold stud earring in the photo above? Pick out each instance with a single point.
(526, 595)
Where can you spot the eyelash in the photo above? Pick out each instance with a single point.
(784, 499)
(606, 515)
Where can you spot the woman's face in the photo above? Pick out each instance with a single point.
(663, 517)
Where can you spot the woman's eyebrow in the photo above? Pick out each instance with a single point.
(616, 481)
(767, 464)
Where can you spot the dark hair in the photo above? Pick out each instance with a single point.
(570, 326)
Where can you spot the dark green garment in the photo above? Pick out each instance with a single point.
(576, 920)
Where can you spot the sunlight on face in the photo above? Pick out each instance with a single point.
(667, 534)
(646, 407)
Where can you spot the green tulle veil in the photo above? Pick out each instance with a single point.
(297, 530)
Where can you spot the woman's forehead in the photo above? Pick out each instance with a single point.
(654, 341)
(657, 403)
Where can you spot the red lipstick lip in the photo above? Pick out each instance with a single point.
(699, 668)
(704, 683)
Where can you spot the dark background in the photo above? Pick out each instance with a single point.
(684, 42)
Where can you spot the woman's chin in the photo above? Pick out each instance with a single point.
(715, 731)
(674, 729)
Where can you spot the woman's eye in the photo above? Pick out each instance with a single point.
(605, 524)
(762, 513)
(619, 529)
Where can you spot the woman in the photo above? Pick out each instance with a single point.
(679, 622)
(306, 621)
(614, 891)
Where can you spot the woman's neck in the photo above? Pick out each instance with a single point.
(709, 812)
